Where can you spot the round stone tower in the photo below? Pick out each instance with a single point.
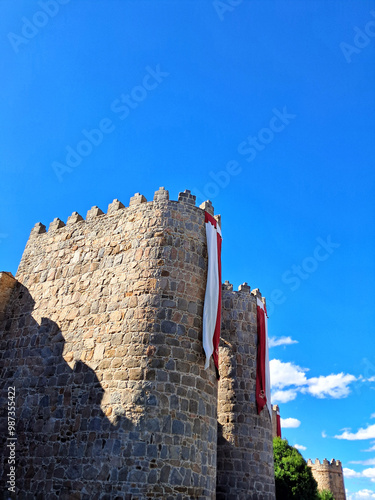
(245, 452)
(329, 476)
(102, 340)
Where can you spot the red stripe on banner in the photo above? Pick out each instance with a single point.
(278, 426)
(209, 218)
(216, 338)
(261, 398)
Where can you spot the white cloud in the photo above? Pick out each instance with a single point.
(287, 379)
(286, 374)
(324, 434)
(365, 494)
(349, 473)
(276, 341)
(367, 473)
(370, 461)
(371, 379)
(362, 495)
(289, 423)
(372, 447)
(284, 396)
(334, 385)
(368, 433)
(372, 415)
(300, 447)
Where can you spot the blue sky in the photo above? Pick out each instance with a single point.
(266, 108)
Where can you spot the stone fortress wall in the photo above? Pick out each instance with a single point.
(101, 335)
(329, 476)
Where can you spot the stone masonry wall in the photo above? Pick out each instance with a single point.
(329, 476)
(245, 453)
(102, 341)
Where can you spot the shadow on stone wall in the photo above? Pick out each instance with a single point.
(66, 447)
(244, 470)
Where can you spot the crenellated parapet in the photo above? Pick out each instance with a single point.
(159, 212)
(160, 196)
(326, 464)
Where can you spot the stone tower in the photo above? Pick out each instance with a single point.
(329, 476)
(245, 452)
(101, 337)
(276, 430)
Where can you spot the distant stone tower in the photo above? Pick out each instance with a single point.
(276, 429)
(329, 476)
(245, 452)
(101, 337)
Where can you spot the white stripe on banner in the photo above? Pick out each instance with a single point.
(211, 298)
(267, 362)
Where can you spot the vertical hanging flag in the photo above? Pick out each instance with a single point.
(278, 422)
(263, 386)
(212, 299)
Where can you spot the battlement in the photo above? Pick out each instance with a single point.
(160, 196)
(243, 290)
(332, 465)
(142, 223)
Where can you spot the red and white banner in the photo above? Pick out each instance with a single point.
(263, 386)
(212, 299)
(278, 424)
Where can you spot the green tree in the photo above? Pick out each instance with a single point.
(325, 495)
(293, 477)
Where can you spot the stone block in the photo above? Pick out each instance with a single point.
(178, 427)
(244, 288)
(227, 286)
(39, 228)
(56, 224)
(115, 206)
(187, 197)
(207, 207)
(75, 217)
(161, 194)
(256, 293)
(137, 199)
(94, 212)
